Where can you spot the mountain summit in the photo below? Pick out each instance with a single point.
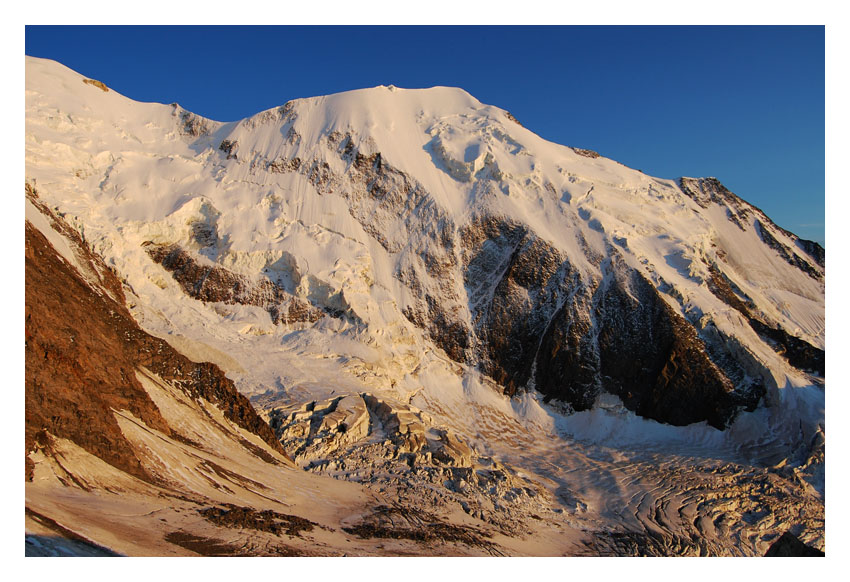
(420, 269)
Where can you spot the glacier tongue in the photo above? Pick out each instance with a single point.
(420, 248)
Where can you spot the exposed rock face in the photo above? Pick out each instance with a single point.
(799, 353)
(788, 546)
(443, 329)
(79, 365)
(541, 322)
(211, 283)
(705, 191)
(96, 83)
(586, 153)
(653, 359)
(814, 250)
(229, 147)
(193, 125)
(637, 347)
(511, 317)
(235, 516)
(83, 349)
(787, 253)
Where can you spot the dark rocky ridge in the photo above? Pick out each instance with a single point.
(788, 546)
(229, 515)
(82, 351)
(211, 283)
(193, 126)
(813, 249)
(585, 153)
(799, 353)
(787, 253)
(541, 323)
(707, 191)
(575, 339)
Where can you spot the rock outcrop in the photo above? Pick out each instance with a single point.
(572, 338)
(788, 546)
(798, 352)
(211, 283)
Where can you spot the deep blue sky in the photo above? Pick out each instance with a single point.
(744, 104)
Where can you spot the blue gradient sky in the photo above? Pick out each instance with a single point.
(744, 104)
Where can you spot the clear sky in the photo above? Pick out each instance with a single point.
(743, 104)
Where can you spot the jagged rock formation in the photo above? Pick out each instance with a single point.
(96, 83)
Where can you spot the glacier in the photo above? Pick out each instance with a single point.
(517, 336)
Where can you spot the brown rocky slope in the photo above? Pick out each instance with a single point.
(83, 348)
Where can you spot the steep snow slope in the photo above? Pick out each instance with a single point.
(420, 245)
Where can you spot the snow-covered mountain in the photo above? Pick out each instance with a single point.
(424, 297)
